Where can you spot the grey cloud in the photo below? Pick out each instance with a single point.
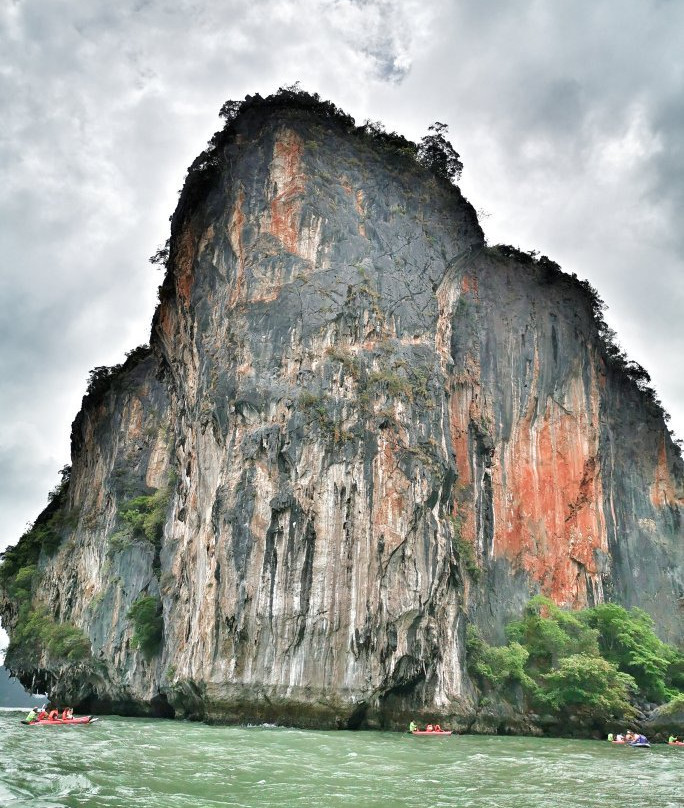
(106, 104)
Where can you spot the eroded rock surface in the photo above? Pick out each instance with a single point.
(371, 429)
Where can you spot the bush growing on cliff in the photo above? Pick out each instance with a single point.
(628, 640)
(38, 638)
(497, 665)
(588, 686)
(146, 515)
(588, 663)
(550, 633)
(148, 623)
(45, 535)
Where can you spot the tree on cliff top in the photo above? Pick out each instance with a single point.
(437, 154)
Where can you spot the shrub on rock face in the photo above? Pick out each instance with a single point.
(550, 633)
(588, 686)
(587, 665)
(146, 614)
(146, 515)
(628, 640)
(497, 665)
(37, 638)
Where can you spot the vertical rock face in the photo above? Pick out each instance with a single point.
(369, 429)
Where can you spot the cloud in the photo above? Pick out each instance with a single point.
(571, 138)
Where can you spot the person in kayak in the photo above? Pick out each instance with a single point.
(54, 715)
(413, 726)
(31, 717)
(672, 739)
(67, 714)
(42, 714)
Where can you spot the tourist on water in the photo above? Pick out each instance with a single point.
(429, 728)
(42, 713)
(413, 726)
(54, 715)
(31, 716)
(67, 714)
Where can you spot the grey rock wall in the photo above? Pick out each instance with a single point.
(372, 429)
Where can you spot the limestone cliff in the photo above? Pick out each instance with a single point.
(363, 429)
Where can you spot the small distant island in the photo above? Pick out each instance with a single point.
(13, 694)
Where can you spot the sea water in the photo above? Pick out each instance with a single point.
(146, 763)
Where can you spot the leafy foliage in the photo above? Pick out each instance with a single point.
(437, 154)
(38, 638)
(550, 633)
(146, 515)
(628, 640)
(161, 257)
(589, 685)
(589, 664)
(499, 665)
(45, 535)
(146, 614)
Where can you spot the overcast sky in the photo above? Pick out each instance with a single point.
(568, 116)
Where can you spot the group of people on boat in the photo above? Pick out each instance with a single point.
(67, 714)
(413, 727)
(628, 737)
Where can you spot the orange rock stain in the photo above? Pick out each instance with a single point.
(391, 494)
(185, 259)
(662, 488)
(546, 486)
(290, 181)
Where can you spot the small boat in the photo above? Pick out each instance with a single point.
(675, 743)
(640, 744)
(432, 732)
(60, 722)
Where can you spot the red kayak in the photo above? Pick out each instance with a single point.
(436, 732)
(675, 743)
(59, 722)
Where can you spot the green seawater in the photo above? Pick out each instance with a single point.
(131, 762)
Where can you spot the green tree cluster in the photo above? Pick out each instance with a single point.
(44, 535)
(437, 154)
(38, 638)
(592, 664)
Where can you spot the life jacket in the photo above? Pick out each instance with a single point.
(53, 715)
